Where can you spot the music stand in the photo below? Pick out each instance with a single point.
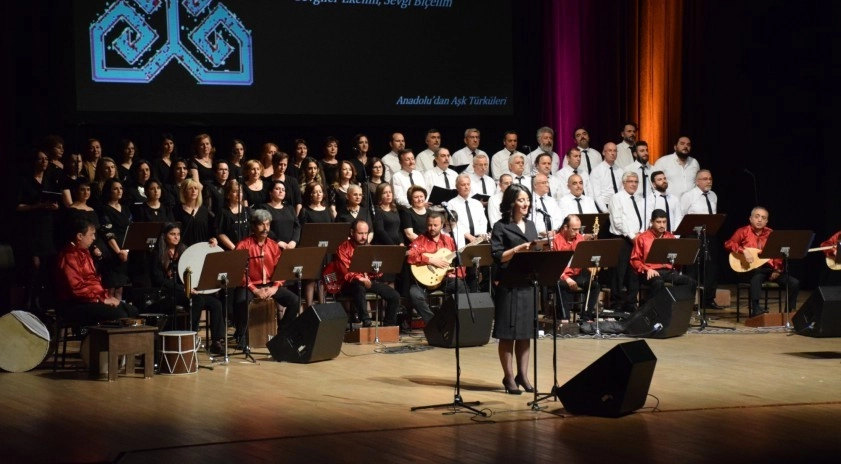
(702, 225)
(536, 269)
(299, 264)
(786, 245)
(597, 254)
(479, 256)
(224, 270)
(142, 235)
(587, 221)
(323, 234)
(376, 259)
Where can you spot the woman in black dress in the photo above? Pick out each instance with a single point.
(354, 210)
(514, 307)
(337, 194)
(267, 152)
(193, 215)
(294, 169)
(285, 228)
(127, 153)
(114, 219)
(172, 189)
(232, 223)
(201, 165)
(360, 158)
(235, 168)
(413, 220)
(314, 211)
(71, 176)
(105, 169)
(254, 189)
(135, 191)
(311, 172)
(153, 210)
(387, 229)
(162, 165)
(330, 160)
(292, 197)
(79, 210)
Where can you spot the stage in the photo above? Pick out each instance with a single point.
(748, 395)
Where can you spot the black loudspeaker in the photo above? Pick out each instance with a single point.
(614, 385)
(441, 329)
(820, 315)
(662, 316)
(316, 335)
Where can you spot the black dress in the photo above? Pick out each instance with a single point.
(364, 214)
(205, 173)
(114, 224)
(387, 228)
(161, 170)
(145, 213)
(409, 219)
(309, 215)
(234, 225)
(514, 307)
(330, 171)
(285, 226)
(255, 197)
(37, 225)
(196, 227)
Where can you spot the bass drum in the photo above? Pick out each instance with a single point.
(193, 258)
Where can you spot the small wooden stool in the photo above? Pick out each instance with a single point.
(118, 341)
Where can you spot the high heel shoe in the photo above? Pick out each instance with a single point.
(511, 390)
(519, 381)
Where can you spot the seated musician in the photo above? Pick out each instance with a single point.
(423, 253)
(658, 274)
(832, 242)
(748, 242)
(264, 254)
(575, 279)
(85, 300)
(357, 284)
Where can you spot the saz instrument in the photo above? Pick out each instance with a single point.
(431, 276)
(739, 264)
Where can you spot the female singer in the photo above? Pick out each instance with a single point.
(153, 210)
(232, 223)
(338, 192)
(387, 219)
(72, 175)
(106, 169)
(311, 172)
(413, 220)
(135, 194)
(115, 220)
(314, 212)
(194, 216)
(254, 191)
(330, 160)
(77, 211)
(285, 228)
(514, 317)
(354, 210)
(164, 270)
(172, 189)
(360, 149)
(235, 159)
(201, 166)
(292, 196)
(267, 152)
(127, 154)
(375, 170)
(162, 166)
(294, 169)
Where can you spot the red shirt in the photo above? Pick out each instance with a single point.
(260, 270)
(642, 245)
(424, 244)
(746, 237)
(831, 241)
(562, 244)
(77, 279)
(344, 255)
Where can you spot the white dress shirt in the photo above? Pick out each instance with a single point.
(524, 180)
(476, 185)
(401, 182)
(587, 154)
(623, 217)
(602, 185)
(563, 180)
(659, 202)
(568, 205)
(694, 202)
(392, 165)
(436, 177)
(494, 215)
(624, 156)
(477, 212)
(425, 161)
(465, 156)
(681, 177)
(555, 215)
(499, 162)
(636, 167)
(530, 160)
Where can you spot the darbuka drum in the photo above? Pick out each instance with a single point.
(193, 258)
(262, 321)
(24, 341)
(178, 353)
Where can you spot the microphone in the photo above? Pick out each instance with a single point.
(543, 212)
(755, 187)
(450, 214)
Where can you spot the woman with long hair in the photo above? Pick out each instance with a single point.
(292, 197)
(127, 153)
(514, 307)
(201, 164)
(345, 177)
(294, 169)
(114, 219)
(71, 176)
(162, 165)
(164, 275)
(267, 152)
(135, 193)
(360, 158)
(255, 190)
(314, 211)
(193, 215)
(106, 169)
(172, 189)
(232, 223)
(285, 228)
(235, 159)
(387, 220)
(311, 172)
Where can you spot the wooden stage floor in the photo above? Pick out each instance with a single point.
(750, 395)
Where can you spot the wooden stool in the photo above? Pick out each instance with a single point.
(122, 341)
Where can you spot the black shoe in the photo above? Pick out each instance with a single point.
(216, 348)
(511, 390)
(519, 381)
(369, 323)
(713, 305)
(756, 311)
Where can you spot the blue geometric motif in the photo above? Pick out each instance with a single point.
(134, 45)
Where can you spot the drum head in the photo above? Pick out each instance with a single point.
(193, 258)
(24, 341)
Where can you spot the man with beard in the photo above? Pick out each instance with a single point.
(658, 274)
(465, 155)
(572, 165)
(425, 159)
(606, 178)
(545, 144)
(390, 160)
(642, 167)
(679, 167)
(625, 149)
(499, 162)
(590, 157)
(662, 199)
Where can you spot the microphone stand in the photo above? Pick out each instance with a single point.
(458, 402)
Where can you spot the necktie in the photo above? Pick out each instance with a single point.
(613, 178)
(637, 210)
(668, 216)
(709, 205)
(469, 218)
(543, 205)
(484, 188)
(575, 171)
(412, 179)
(578, 201)
(644, 180)
(446, 180)
(587, 158)
(520, 180)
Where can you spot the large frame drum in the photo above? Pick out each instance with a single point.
(24, 341)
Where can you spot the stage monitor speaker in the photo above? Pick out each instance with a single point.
(662, 316)
(441, 329)
(614, 385)
(316, 335)
(820, 315)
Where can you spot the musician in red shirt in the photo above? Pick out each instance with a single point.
(755, 235)
(657, 274)
(429, 243)
(356, 284)
(84, 299)
(574, 279)
(263, 255)
(832, 242)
